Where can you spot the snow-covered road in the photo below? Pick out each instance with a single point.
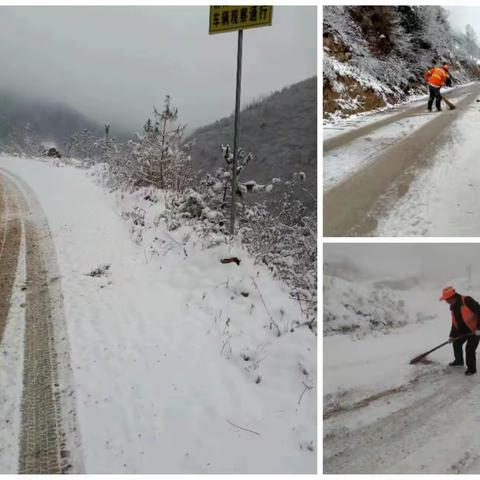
(443, 199)
(429, 425)
(382, 415)
(395, 417)
(175, 368)
(413, 175)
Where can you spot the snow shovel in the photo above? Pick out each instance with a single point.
(423, 355)
(451, 106)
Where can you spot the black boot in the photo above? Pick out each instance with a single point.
(470, 372)
(456, 364)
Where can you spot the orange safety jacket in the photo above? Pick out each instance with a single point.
(470, 318)
(436, 77)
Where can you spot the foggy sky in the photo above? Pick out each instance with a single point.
(461, 16)
(113, 64)
(440, 262)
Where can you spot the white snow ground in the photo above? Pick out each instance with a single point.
(168, 355)
(443, 199)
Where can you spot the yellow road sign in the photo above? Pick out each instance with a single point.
(235, 17)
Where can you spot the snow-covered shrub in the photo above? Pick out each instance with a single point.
(22, 142)
(359, 307)
(83, 145)
(281, 234)
(277, 231)
(154, 157)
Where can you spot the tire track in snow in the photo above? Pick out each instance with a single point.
(332, 407)
(48, 432)
(379, 446)
(3, 217)
(10, 236)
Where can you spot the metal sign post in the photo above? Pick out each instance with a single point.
(228, 19)
(235, 131)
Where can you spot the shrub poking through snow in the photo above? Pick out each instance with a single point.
(100, 271)
(284, 237)
(192, 206)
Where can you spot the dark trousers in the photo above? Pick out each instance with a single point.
(472, 343)
(434, 95)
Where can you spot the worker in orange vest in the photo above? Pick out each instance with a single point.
(465, 321)
(436, 78)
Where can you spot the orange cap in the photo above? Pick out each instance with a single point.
(447, 293)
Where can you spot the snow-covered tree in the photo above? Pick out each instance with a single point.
(83, 145)
(471, 40)
(158, 157)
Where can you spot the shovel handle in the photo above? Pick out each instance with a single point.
(423, 355)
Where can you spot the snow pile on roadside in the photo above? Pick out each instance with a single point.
(177, 359)
(362, 308)
(245, 288)
(283, 239)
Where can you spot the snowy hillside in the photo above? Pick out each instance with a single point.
(180, 363)
(376, 56)
(279, 129)
(24, 120)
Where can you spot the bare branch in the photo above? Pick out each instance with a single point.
(266, 309)
(307, 387)
(241, 428)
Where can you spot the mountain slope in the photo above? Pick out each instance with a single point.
(280, 130)
(47, 121)
(376, 55)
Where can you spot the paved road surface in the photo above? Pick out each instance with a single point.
(354, 206)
